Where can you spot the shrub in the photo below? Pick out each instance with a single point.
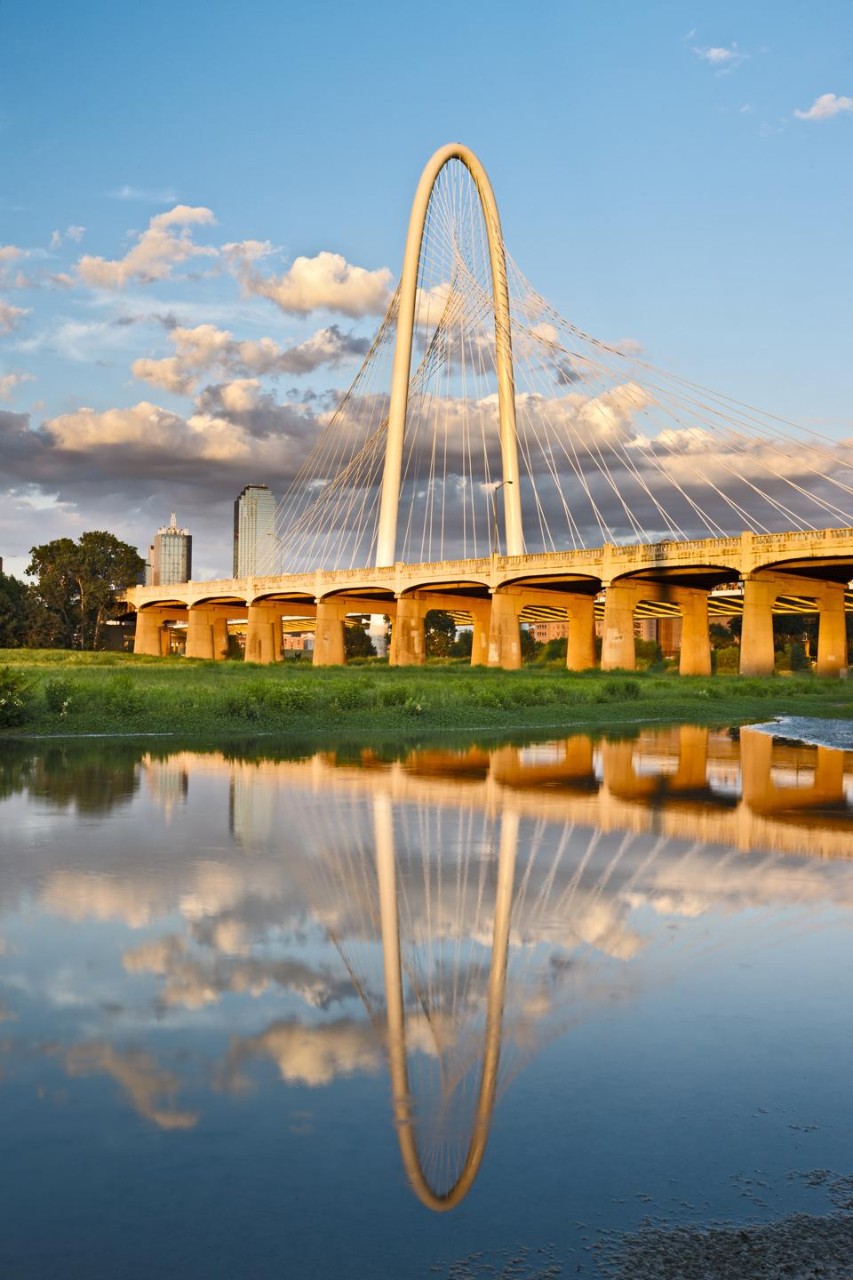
(58, 696)
(15, 691)
(620, 689)
(123, 696)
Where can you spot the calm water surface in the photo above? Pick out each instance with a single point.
(466, 1013)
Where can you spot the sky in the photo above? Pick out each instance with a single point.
(203, 210)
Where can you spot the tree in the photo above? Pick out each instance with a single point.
(357, 643)
(463, 644)
(76, 587)
(440, 632)
(14, 612)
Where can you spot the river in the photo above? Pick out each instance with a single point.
(569, 1007)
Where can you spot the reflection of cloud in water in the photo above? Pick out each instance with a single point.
(311, 1055)
(149, 1088)
(192, 981)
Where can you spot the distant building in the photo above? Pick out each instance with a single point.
(254, 531)
(170, 557)
(550, 630)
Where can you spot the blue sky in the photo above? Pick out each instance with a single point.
(654, 177)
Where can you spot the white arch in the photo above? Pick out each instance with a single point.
(386, 871)
(386, 547)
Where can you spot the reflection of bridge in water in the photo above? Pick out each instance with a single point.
(693, 783)
(493, 891)
(620, 484)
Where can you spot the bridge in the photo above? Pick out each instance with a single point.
(624, 490)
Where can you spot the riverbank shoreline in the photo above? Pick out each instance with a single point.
(62, 695)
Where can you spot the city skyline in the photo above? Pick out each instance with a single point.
(179, 317)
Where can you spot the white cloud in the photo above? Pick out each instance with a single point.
(722, 58)
(164, 195)
(9, 381)
(74, 233)
(825, 107)
(326, 282)
(11, 317)
(158, 249)
(206, 348)
(11, 275)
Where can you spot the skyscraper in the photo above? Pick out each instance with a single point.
(254, 531)
(170, 558)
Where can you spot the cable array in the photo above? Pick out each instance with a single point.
(611, 449)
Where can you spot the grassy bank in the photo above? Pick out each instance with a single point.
(58, 692)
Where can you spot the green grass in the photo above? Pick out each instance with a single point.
(65, 693)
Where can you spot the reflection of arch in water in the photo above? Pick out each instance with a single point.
(441, 1201)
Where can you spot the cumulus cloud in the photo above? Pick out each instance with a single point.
(825, 107)
(206, 348)
(326, 282)
(9, 381)
(11, 317)
(165, 243)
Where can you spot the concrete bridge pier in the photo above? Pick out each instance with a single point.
(695, 658)
(832, 631)
(263, 634)
(407, 634)
(329, 648)
(757, 657)
(481, 620)
(151, 636)
(504, 630)
(580, 650)
(207, 631)
(617, 645)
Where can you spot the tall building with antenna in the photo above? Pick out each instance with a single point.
(254, 531)
(170, 556)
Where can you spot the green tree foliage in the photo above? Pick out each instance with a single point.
(529, 645)
(75, 588)
(440, 632)
(15, 610)
(463, 644)
(357, 643)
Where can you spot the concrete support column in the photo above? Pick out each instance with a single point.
(207, 632)
(504, 631)
(756, 642)
(832, 631)
(407, 635)
(150, 636)
(263, 634)
(695, 657)
(580, 650)
(481, 618)
(329, 649)
(617, 647)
